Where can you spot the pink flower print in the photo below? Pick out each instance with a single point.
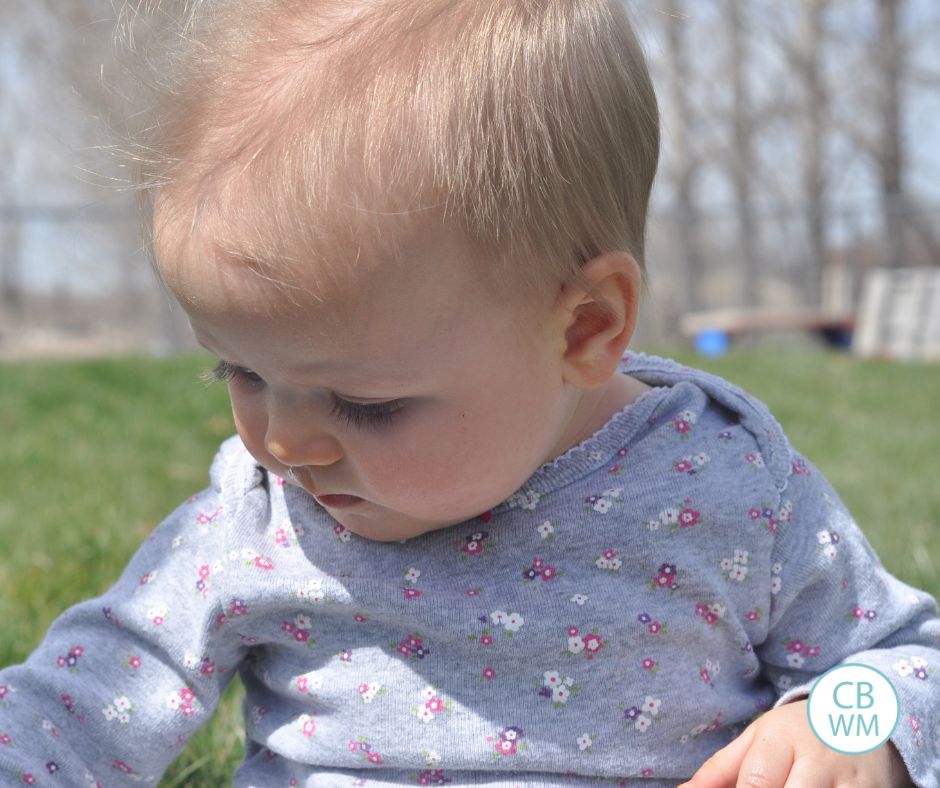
(27, 779)
(4, 691)
(548, 573)
(667, 577)
(485, 517)
(572, 631)
(308, 725)
(359, 618)
(795, 645)
(473, 548)
(506, 747)
(70, 660)
(204, 518)
(353, 746)
(538, 563)
(410, 593)
(207, 667)
(264, 563)
(753, 615)
(121, 766)
(375, 758)
(593, 643)
(650, 665)
(134, 662)
(488, 674)
(688, 517)
(237, 607)
(654, 627)
(341, 533)
(683, 466)
(473, 591)
(280, 537)
(5, 739)
(435, 705)
(486, 639)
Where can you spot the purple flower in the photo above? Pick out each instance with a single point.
(870, 615)
(644, 618)
(632, 713)
(667, 569)
(71, 660)
(421, 652)
(834, 537)
(530, 574)
(921, 673)
(512, 733)
(591, 499)
(545, 692)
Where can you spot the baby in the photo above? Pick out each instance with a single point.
(463, 536)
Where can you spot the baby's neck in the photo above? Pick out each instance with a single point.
(597, 407)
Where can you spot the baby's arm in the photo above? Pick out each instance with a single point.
(121, 682)
(833, 602)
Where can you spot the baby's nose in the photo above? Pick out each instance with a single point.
(296, 436)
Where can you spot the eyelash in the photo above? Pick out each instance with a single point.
(372, 415)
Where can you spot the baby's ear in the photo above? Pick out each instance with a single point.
(594, 327)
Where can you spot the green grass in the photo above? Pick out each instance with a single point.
(95, 454)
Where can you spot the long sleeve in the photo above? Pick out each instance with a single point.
(120, 683)
(834, 602)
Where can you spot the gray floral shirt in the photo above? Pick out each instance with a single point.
(621, 617)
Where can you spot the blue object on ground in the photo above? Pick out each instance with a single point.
(712, 342)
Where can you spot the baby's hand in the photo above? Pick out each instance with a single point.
(780, 750)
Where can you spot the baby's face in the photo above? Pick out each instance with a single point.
(407, 386)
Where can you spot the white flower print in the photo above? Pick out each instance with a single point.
(412, 575)
(122, 703)
(368, 691)
(190, 662)
(918, 662)
(584, 742)
(830, 552)
(602, 505)
(642, 722)
(775, 585)
(177, 541)
(652, 705)
(578, 599)
(513, 622)
(303, 622)
(726, 564)
(124, 718)
(738, 572)
(575, 644)
(560, 694)
(424, 713)
(498, 616)
(248, 554)
(546, 529)
(776, 569)
(740, 556)
(795, 660)
(218, 567)
(701, 459)
(612, 492)
(903, 668)
(717, 609)
(784, 683)
(431, 757)
(428, 692)
(109, 712)
(823, 537)
(669, 516)
(552, 678)
(602, 563)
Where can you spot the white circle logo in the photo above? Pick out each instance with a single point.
(853, 708)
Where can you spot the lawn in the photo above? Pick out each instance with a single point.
(96, 453)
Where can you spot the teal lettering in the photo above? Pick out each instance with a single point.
(873, 720)
(867, 694)
(835, 695)
(837, 728)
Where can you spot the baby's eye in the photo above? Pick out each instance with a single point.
(367, 414)
(224, 372)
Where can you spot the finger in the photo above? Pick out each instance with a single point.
(766, 764)
(805, 773)
(721, 770)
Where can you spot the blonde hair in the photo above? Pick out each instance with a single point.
(310, 127)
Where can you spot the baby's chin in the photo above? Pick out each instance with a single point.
(375, 528)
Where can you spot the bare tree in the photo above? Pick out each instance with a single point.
(684, 161)
(743, 159)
